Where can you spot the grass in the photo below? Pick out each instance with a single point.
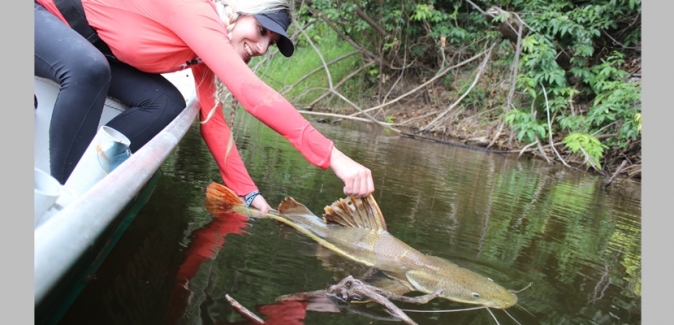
(281, 72)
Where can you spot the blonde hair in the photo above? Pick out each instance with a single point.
(230, 11)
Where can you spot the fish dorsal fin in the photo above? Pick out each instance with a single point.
(355, 212)
(290, 206)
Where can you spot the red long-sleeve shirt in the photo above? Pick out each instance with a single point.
(160, 36)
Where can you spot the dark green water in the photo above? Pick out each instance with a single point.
(517, 222)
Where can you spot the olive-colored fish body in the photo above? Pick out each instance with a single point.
(349, 231)
(355, 229)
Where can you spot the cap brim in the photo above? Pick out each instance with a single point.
(285, 45)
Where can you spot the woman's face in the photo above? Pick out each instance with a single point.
(250, 38)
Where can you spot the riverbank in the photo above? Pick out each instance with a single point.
(472, 127)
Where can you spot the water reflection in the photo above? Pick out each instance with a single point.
(518, 222)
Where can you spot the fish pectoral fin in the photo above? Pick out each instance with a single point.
(422, 281)
(391, 284)
(355, 212)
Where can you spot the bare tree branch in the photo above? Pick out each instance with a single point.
(290, 87)
(332, 88)
(422, 86)
(477, 77)
(348, 39)
(344, 80)
(547, 106)
(542, 151)
(513, 83)
(345, 117)
(617, 171)
(370, 21)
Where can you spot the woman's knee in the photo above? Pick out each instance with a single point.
(171, 105)
(166, 98)
(92, 70)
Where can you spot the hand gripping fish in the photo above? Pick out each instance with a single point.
(355, 228)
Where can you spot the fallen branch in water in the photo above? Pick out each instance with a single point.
(542, 151)
(456, 144)
(350, 288)
(526, 148)
(617, 171)
(243, 311)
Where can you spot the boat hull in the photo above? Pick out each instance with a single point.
(56, 302)
(75, 239)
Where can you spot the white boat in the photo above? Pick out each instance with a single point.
(79, 227)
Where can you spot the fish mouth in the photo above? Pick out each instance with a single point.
(504, 304)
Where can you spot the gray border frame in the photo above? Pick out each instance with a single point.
(656, 216)
(16, 132)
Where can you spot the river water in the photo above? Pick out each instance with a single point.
(518, 222)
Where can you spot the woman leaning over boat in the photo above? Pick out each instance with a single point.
(121, 49)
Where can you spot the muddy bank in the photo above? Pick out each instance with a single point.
(481, 129)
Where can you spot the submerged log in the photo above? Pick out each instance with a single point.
(243, 310)
(350, 288)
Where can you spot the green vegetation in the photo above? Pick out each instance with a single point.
(563, 72)
(284, 73)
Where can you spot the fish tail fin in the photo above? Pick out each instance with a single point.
(220, 198)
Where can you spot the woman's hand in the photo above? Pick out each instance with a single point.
(356, 177)
(260, 204)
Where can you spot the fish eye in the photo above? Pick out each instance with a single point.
(476, 295)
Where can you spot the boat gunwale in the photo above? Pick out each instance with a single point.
(62, 239)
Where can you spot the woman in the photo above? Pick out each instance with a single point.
(121, 48)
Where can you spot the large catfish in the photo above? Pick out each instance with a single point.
(355, 229)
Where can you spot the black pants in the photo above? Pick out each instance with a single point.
(86, 77)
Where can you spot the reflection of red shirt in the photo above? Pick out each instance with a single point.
(205, 244)
(160, 36)
(285, 313)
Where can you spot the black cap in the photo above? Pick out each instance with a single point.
(278, 23)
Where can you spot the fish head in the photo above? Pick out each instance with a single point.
(464, 286)
(485, 293)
